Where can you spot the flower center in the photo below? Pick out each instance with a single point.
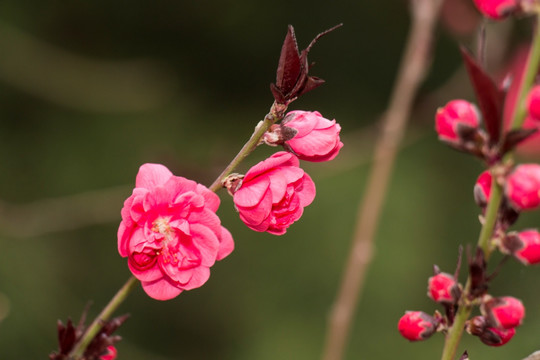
(167, 252)
(161, 225)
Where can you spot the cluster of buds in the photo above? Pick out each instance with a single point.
(477, 130)
(500, 316)
(499, 320)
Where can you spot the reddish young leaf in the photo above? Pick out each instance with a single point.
(292, 79)
(490, 97)
(514, 137)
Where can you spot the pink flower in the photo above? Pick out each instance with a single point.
(496, 9)
(504, 312)
(110, 355)
(274, 193)
(417, 325)
(316, 138)
(523, 187)
(454, 114)
(443, 288)
(171, 233)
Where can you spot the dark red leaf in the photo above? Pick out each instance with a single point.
(514, 137)
(490, 97)
(289, 66)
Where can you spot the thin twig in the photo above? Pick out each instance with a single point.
(412, 70)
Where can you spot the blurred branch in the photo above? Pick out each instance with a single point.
(68, 79)
(412, 71)
(60, 214)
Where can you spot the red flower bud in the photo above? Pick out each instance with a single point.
(417, 325)
(482, 189)
(110, 354)
(455, 114)
(503, 312)
(314, 138)
(496, 336)
(496, 9)
(533, 103)
(443, 288)
(526, 246)
(523, 187)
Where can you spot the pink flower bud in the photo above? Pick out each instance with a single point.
(443, 288)
(170, 232)
(503, 312)
(528, 249)
(417, 325)
(496, 9)
(315, 138)
(497, 337)
(523, 187)
(454, 114)
(533, 103)
(482, 189)
(274, 193)
(110, 355)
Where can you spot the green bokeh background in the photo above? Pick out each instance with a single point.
(91, 90)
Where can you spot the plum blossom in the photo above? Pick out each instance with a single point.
(273, 194)
(170, 232)
(315, 138)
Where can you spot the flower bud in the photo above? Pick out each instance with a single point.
(443, 288)
(523, 187)
(533, 103)
(476, 326)
(455, 115)
(417, 325)
(482, 189)
(497, 337)
(503, 312)
(496, 9)
(110, 354)
(314, 138)
(524, 246)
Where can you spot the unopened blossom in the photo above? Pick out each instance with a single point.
(482, 188)
(523, 187)
(110, 355)
(273, 194)
(496, 9)
(443, 288)
(417, 325)
(496, 336)
(315, 137)
(533, 103)
(170, 232)
(524, 246)
(452, 116)
(504, 312)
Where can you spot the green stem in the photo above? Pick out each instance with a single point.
(454, 334)
(276, 113)
(484, 242)
(490, 218)
(105, 314)
(531, 70)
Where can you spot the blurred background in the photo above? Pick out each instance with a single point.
(89, 91)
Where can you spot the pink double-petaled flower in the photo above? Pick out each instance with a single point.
(170, 232)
